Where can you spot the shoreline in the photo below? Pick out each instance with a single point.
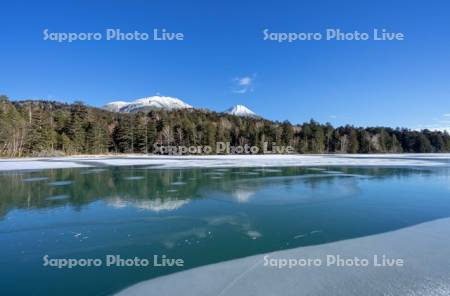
(423, 248)
(220, 161)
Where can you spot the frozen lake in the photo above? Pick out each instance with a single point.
(200, 215)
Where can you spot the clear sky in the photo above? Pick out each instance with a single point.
(223, 59)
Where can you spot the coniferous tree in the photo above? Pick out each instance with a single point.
(354, 143)
(97, 139)
(151, 135)
(39, 137)
(140, 133)
(12, 129)
(44, 128)
(123, 136)
(75, 128)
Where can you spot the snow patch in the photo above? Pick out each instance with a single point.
(241, 110)
(147, 104)
(425, 271)
(228, 161)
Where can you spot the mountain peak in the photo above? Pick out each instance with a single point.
(241, 110)
(115, 106)
(167, 103)
(147, 104)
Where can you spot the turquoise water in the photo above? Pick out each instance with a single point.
(199, 215)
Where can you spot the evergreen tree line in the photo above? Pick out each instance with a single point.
(41, 128)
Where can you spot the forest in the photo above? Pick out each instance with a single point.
(48, 128)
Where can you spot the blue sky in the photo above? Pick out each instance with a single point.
(224, 60)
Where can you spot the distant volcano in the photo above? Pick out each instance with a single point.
(147, 104)
(241, 110)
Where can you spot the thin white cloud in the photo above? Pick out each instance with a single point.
(447, 115)
(243, 84)
(245, 81)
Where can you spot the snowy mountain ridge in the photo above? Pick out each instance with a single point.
(167, 103)
(147, 104)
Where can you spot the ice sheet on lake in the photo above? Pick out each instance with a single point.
(224, 161)
(58, 197)
(267, 170)
(178, 183)
(215, 173)
(35, 179)
(423, 247)
(60, 183)
(131, 178)
(254, 234)
(92, 171)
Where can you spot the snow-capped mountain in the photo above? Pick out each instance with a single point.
(115, 106)
(167, 103)
(241, 110)
(147, 104)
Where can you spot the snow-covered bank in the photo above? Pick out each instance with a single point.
(159, 161)
(424, 249)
